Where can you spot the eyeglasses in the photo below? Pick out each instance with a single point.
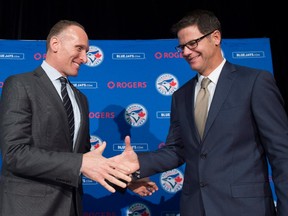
(191, 44)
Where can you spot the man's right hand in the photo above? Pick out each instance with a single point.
(100, 169)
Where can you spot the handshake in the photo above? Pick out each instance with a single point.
(117, 170)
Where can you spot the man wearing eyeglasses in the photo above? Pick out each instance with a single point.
(226, 172)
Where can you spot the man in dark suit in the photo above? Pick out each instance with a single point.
(42, 165)
(226, 170)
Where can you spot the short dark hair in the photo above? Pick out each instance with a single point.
(59, 27)
(205, 20)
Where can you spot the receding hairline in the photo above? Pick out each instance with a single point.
(60, 27)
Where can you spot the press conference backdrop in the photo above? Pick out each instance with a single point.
(129, 84)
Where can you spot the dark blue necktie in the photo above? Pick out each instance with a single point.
(68, 106)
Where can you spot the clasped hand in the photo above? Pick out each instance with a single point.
(115, 169)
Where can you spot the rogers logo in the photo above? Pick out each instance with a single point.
(101, 115)
(162, 144)
(39, 56)
(167, 55)
(124, 85)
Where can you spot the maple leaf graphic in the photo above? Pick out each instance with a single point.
(98, 55)
(173, 83)
(178, 179)
(145, 214)
(141, 114)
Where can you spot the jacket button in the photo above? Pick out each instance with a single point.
(203, 184)
(203, 156)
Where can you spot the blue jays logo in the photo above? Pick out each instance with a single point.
(167, 84)
(136, 115)
(95, 56)
(138, 209)
(95, 142)
(172, 180)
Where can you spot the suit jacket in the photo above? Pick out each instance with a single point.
(227, 172)
(39, 173)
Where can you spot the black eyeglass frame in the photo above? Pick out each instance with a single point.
(193, 43)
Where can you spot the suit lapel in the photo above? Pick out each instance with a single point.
(222, 90)
(189, 100)
(53, 97)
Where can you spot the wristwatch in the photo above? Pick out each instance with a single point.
(136, 175)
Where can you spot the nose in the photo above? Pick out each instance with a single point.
(83, 57)
(186, 52)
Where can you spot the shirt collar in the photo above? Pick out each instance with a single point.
(214, 75)
(51, 72)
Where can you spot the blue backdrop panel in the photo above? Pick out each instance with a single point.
(129, 84)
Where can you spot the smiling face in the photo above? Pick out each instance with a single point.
(67, 50)
(207, 55)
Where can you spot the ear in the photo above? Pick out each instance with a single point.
(216, 35)
(54, 44)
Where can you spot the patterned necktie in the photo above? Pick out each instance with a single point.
(201, 107)
(68, 106)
